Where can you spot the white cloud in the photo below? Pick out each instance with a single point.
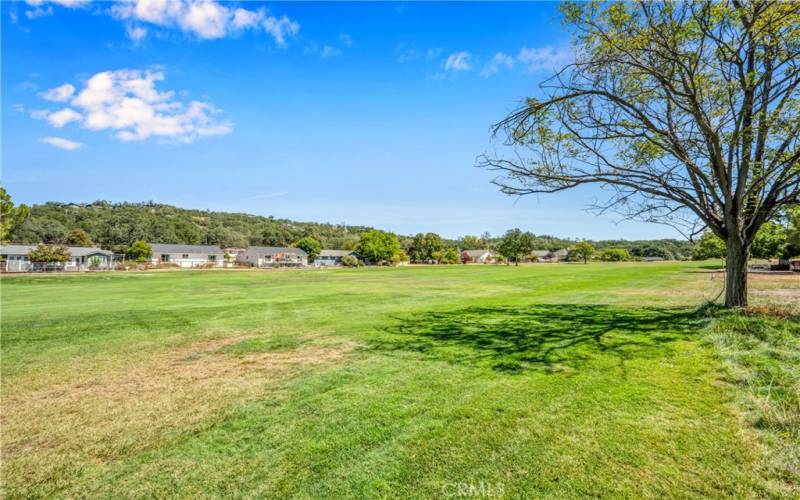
(205, 19)
(58, 94)
(544, 58)
(328, 51)
(41, 7)
(498, 62)
(136, 33)
(127, 102)
(458, 61)
(61, 143)
(243, 18)
(405, 53)
(279, 28)
(39, 12)
(63, 116)
(346, 39)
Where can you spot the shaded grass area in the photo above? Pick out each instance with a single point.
(548, 380)
(541, 336)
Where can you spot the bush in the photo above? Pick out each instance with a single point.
(615, 255)
(350, 261)
(139, 251)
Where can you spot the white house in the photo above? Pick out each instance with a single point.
(332, 257)
(187, 255)
(16, 259)
(273, 257)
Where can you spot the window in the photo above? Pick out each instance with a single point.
(165, 257)
(212, 258)
(185, 256)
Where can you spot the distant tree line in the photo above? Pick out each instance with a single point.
(116, 226)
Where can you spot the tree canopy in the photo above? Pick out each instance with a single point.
(425, 246)
(78, 238)
(311, 246)
(515, 245)
(49, 253)
(686, 111)
(583, 250)
(11, 217)
(379, 247)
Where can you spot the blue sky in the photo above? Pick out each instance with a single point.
(364, 113)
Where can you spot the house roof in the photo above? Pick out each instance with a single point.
(170, 248)
(335, 253)
(477, 253)
(274, 250)
(73, 251)
(541, 253)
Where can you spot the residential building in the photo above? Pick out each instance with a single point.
(332, 257)
(16, 259)
(187, 255)
(549, 256)
(273, 257)
(478, 256)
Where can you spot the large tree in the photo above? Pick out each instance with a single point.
(10, 216)
(516, 245)
(689, 112)
(310, 246)
(425, 247)
(378, 247)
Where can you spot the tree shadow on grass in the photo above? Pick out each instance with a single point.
(550, 338)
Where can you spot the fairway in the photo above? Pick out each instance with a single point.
(562, 380)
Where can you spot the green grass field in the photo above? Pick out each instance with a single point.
(542, 380)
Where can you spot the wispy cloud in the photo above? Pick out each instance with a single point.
(346, 39)
(129, 103)
(61, 143)
(405, 53)
(498, 62)
(549, 58)
(329, 51)
(458, 61)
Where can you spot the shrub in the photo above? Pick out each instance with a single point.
(615, 255)
(350, 261)
(49, 253)
(139, 251)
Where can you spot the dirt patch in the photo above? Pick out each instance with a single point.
(173, 392)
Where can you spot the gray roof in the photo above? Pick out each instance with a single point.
(170, 248)
(73, 251)
(274, 250)
(541, 253)
(335, 253)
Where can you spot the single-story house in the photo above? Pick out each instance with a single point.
(478, 256)
(16, 259)
(549, 256)
(332, 257)
(187, 255)
(273, 257)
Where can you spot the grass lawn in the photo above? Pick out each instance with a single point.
(541, 380)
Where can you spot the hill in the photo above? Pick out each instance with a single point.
(115, 226)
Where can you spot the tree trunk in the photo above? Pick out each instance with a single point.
(738, 253)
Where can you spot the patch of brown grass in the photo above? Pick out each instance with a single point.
(48, 431)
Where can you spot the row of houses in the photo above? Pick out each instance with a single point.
(16, 258)
(491, 257)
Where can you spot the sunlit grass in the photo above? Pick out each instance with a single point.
(560, 380)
